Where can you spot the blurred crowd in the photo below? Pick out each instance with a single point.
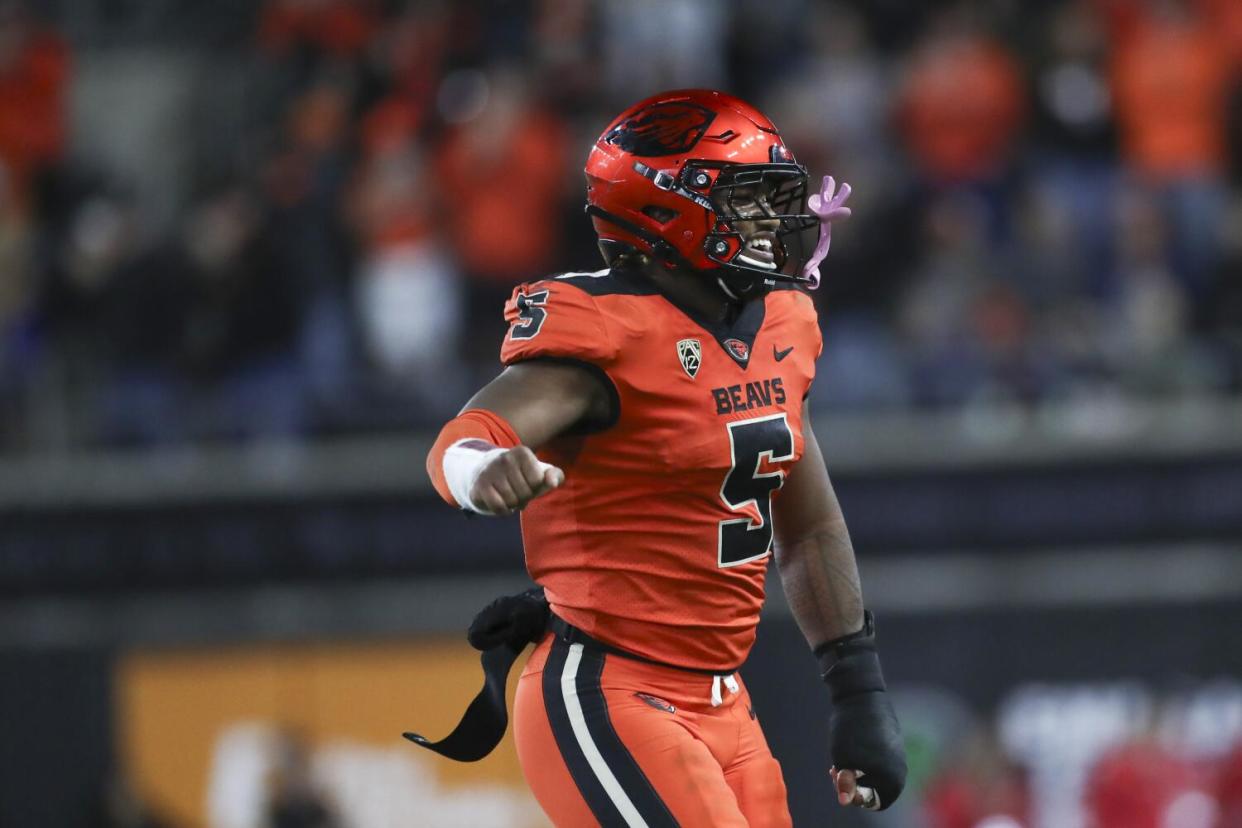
(1135, 784)
(1113, 755)
(1047, 209)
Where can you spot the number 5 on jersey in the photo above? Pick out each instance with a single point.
(752, 442)
(530, 315)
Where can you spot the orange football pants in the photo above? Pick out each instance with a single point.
(611, 741)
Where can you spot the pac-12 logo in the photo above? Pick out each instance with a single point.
(690, 352)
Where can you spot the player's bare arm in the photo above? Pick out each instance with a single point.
(819, 574)
(813, 550)
(539, 400)
(543, 399)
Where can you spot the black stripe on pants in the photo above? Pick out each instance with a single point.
(630, 777)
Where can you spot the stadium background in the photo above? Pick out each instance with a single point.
(251, 253)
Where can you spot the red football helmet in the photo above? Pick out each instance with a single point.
(700, 179)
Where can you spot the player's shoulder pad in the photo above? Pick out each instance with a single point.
(557, 317)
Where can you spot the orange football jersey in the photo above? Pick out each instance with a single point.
(658, 540)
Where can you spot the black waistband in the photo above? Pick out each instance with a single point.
(569, 633)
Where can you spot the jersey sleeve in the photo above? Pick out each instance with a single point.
(558, 320)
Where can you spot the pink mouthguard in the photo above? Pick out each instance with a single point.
(829, 208)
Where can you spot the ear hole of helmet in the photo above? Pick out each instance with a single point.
(662, 215)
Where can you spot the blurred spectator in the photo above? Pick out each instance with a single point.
(1071, 96)
(961, 103)
(34, 68)
(303, 185)
(399, 193)
(934, 310)
(407, 57)
(1233, 131)
(1143, 785)
(409, 295)
(1221, 314)
(117, 308)
(1170, 75)
(1171, 78)
(1229, 790)
(1074, 130)
(567, 52)
(1001, 320)
(978, 786)
(501, 170)
(337, 28)
(835, 107)
(1225, 18)
(294, 798)
(1060, 287)
(842, 84)
(242, 335)
(1148, 311)
(15, 306)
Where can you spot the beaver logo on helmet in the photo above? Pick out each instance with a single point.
(662, 129)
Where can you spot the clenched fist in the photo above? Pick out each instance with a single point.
(511, 479)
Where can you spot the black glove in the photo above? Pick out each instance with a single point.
(516, 620)
(865, 733)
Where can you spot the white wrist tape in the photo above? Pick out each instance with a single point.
(462, 467)
(870, 797)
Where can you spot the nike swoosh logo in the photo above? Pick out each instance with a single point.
(779, 355)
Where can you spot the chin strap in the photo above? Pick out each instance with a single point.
(725, 287)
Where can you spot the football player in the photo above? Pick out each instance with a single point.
(651, 426)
